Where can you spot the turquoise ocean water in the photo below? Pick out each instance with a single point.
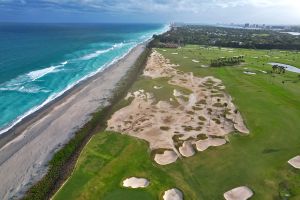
(39, 62)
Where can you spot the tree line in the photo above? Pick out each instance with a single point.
(228, 37)
(236, 60)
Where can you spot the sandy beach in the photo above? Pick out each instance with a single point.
(26, 149)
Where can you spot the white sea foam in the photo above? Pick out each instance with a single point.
(95, 54)
(70, 86)
(64, 63)
(56, 95)
(100, 52)
(34, 75)
(23, 83)
(28, 89)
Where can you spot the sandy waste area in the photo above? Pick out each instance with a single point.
(185, 124)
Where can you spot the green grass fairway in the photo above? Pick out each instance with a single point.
(271, 111)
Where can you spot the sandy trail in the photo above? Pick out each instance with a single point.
(202, 118)
(23, 161)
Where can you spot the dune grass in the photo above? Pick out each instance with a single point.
(271, 111)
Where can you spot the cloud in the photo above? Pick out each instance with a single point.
(12, 1)
(276, 11)
(151, 6)
(168, 5)
(256, 3)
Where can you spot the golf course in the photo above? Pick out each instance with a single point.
(269, 103)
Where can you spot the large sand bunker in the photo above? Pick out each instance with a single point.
(202, 118)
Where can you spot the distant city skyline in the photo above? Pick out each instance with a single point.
(155, 11)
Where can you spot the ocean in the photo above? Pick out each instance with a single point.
(40, 62)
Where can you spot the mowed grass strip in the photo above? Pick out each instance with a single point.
(271, 111)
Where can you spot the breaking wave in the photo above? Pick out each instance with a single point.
(100, 52)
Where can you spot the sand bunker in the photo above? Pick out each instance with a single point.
(202, 115)
(295, 162)
(166, 158)
(173, 194)
(157, 87)
(187, 149)
(240, 193)
(195, 61)
(262, 71)
(202, 145)
(135, 182)
(249, 73)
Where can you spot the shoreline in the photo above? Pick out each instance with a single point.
(22, 119)
(26, 149)
(9, 133)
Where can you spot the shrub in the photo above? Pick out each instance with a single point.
(164, 128)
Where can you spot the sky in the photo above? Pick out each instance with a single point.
(152, 11)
